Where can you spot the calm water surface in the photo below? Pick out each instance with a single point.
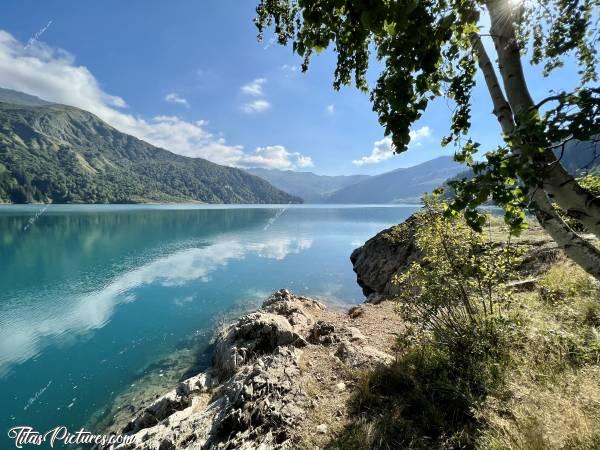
(95, 298)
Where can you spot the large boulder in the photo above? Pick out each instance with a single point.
(388, 253)
(295, 308)
(252, 335)
(283, 320)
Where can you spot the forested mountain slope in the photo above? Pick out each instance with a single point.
(58, 153)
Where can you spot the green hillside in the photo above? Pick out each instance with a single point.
(58, 153)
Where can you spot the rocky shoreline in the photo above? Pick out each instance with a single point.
(273, 370)
(283, 375)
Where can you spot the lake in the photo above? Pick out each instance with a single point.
(103, 304)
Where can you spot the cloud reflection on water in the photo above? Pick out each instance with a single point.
(26, 330)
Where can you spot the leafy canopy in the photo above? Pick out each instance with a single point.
(425, 49)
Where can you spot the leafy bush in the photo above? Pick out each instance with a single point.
(460, 278)
(455, 350)
(479, 366)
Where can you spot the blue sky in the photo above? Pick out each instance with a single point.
(190, 76)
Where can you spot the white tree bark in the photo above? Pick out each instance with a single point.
(557, 182)
(576, 247)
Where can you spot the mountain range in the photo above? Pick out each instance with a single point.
(58, 153)
(312, 188)
(405, 185)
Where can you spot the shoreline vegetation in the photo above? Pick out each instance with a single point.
(505, 354)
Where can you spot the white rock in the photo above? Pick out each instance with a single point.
(355, 334)
(322, 429)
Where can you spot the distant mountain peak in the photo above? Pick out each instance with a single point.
(312, 188)
(404, 185)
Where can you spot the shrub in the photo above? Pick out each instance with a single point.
(454, 352)
(460, 277)
(479, 367)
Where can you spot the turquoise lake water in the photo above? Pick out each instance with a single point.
(97, 299)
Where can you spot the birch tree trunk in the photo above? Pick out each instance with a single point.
(557, 182)
(576, 247)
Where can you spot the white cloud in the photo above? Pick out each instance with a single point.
(290, 68)
(53, 75)
(255, 87)
(276, 157)
(256, 106)
(330, 109)
(417, 136)
(24, 334)
(174, 98)
(384, 149)
(303, 161)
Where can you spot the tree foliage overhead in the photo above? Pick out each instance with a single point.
(433, 48)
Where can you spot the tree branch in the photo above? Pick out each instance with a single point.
(502, 109)
(576, 247)
(556, 181)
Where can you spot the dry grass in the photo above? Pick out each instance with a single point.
(564, 414)
(553, 396)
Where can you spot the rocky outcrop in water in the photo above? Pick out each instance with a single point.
(252, 397)
(392, 251)
(388, 253)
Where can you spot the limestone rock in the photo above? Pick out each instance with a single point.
(294, 308)
(388, 253)
(354, 334)
(259, 403)
(256, 408)
(361, 356)
(251, 335)
(158, 410)
(252, 397)
(323, 333)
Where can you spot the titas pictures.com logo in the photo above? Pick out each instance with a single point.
(25, 436)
